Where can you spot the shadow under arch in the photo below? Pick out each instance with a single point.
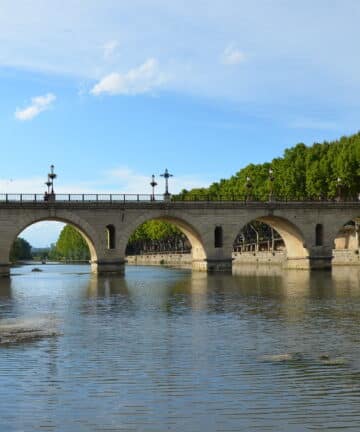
(292, 236)
(197, 246)
(81, 227)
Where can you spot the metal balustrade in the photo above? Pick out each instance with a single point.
(148, 198)
(75, 198)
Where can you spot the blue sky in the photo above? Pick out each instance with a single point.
(112, 92)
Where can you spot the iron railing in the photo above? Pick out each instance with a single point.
(74, 198)
(132, 198)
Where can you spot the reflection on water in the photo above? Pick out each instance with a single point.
(163, 349)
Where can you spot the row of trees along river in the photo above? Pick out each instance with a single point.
(322, 171)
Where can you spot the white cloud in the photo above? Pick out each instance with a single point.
(110, 49)
(38, 105)
(232, 56)
(139, 80)
(183, 35)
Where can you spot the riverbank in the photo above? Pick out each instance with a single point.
(174, 260)
(341, 257)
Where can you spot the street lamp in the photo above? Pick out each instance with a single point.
(51, 177)
(271, 180)
(166, 175)
(153, 184)
(48, 184)
(248, 188)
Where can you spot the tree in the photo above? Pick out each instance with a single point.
(20, 250)
(302, 173)
(71, 245)
(157, 236)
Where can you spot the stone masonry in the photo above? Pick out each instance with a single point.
(296, 222)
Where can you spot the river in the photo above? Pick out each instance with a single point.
(170, 350)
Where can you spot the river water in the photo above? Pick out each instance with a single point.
(170, 350)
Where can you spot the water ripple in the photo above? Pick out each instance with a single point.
(170, 350)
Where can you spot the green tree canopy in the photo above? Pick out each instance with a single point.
(302, 173)
(20, 250)
(71, 245)
(156, 235)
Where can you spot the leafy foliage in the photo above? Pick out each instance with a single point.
(157, 236)
(70, 245)
(20, 250)
(302, 173)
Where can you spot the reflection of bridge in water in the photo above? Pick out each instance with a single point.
(308, 229)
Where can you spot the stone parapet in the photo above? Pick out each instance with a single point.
(182, 205)
(340, 257)
(159, 259)
(260, 257)
(346, 257)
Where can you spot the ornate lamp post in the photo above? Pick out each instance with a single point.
(271, 180)
(153, 184)
(248, 188)
(166, 175)
(48, 184)
(52, 176)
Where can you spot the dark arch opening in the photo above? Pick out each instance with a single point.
(183, 239)
(257, 236)
(286, 236)
(158, 237)
(319, 235)
(110, 237)
(218, 237)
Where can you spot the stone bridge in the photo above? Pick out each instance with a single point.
(307, 228)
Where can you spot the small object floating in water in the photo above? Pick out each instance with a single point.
(36, 269)
(326, 360)
(281, 358)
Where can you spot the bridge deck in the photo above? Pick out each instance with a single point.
(159, 202)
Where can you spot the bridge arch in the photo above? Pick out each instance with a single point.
(290, 233)
(84, 228)
(194, 236)
(346, 235)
